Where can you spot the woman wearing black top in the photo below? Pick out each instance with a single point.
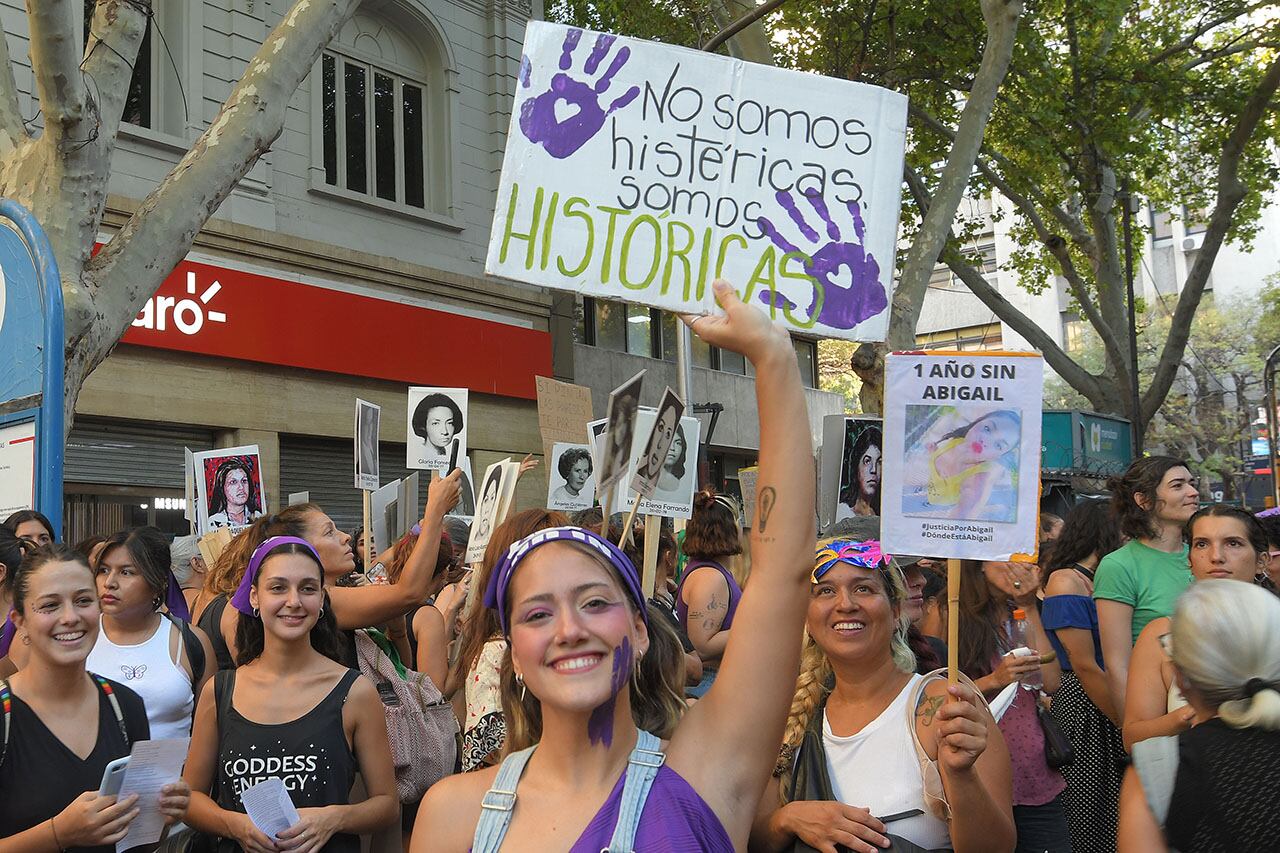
(289, 711)
(64, 724)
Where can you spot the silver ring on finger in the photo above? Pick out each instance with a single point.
(1017, 584)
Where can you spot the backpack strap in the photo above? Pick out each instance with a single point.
(105, 687)
(642, 768)
(6, 700)
(1156, 762)
(191, 646)
(498, 804)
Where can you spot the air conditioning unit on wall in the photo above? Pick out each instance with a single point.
(1192, 242)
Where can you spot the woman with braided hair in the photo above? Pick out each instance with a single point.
(873, 752)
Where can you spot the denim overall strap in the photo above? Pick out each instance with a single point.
(642, 769)
(499, 801)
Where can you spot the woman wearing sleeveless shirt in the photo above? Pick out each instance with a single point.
(12, 550)
(290, 711)
(1226, 542)
(65, 725)
(857, 753)
(708, 595)
(1083, 705)
(352, 607)
(1212, 787)
(137, 644)
(571, 606)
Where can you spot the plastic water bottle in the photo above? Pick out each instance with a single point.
(1018, 639)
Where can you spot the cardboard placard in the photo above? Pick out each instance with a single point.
(563, 408)
(641, 170)
(368, 424)
(437, 429)
(497, 489)
(229, 489)
(662, 441)
(619, 434)
(962, 454)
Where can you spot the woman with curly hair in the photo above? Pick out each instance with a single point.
(575, 467)
(234, 500)
(874, 752)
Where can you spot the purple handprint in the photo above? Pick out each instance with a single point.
(842, 307)
(538, 116)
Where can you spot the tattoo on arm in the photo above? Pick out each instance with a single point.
(929, 708)
(768, 497)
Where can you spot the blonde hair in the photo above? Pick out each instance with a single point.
(816, 670)
(1226, 644)
(656, 697)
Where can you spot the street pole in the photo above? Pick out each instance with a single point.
(1136, 394)
(1273, 428)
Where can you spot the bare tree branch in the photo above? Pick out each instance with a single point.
(741, 24)
(55, 61)
(1231, 191)
(13, 131)
(160, 232)
(1001, 17)
(751, 42)
(115, 35)
(1189, 41)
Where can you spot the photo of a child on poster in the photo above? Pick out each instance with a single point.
(961, 454)
(229, 489)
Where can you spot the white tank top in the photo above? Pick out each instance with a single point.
(877, 769)
(148, 670)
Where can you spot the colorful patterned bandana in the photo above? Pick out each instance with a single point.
(866, 554)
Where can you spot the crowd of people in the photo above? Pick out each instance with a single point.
(771, 691)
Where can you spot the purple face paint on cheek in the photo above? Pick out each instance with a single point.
(600, 725)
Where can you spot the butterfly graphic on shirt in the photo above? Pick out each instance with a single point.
(133, 672)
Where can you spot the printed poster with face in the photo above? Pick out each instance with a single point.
(673, 495)
(619, 435)
(962, 454)
(368, 422)
(852, 450)
(571, 484)
(466, 508)
(229, 491)
(644, 171)
(654, 449)
(437, 433)
(497, 488)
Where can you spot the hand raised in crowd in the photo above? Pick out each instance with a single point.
(91, 820)
(1020, 581)
(443, 495)
(1014, 668)
(831, 827)
(312, 831)
(527, 464)
(249, 837)
(742, 328)
(174, 799)
(450, 600)
(962, 729)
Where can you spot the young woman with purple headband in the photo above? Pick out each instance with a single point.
(290, 710)
(572, 609)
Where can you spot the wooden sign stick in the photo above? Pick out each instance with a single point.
(368, 531)
(953, 620)
(606, 508)
(649, 575)
(626, 527)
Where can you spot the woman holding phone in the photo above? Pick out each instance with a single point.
(64, 725)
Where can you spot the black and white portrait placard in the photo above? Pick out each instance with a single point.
(436, 438)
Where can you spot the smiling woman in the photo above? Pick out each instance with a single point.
(64, 725)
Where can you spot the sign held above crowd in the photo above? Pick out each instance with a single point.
(640, 171)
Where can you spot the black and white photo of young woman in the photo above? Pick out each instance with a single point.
(489, 502)
(466, 507)
(653, 465)
(673, 494)
(570, 485)
(624, 403)
(860, 469)
(437, 434)
(368, 421)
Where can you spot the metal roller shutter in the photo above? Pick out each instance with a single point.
(128, 454)
(325, 468)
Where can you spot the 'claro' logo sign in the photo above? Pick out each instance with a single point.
(187, 316)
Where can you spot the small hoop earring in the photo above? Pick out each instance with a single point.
(321, 610)
(255, 613)
(523, 690)
(156, 602)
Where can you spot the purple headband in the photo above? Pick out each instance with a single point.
(240, 601)
(495, 594)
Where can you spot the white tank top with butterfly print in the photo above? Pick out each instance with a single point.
(149, 670)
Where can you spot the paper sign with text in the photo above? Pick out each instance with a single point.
(962, 454)
(563, 408)
(640, 171)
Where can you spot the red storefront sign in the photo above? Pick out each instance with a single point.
(230, 313)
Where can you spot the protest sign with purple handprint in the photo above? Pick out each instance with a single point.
(563, 118)
(847, 298)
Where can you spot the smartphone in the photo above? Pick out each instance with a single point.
(112, 777)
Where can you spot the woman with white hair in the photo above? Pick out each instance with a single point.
(1213, 786)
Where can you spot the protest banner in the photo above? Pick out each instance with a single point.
(382, 516)
(747, 483)
(436, 436)
(229, 490)
(660, 447)
(407, 503)
(641, 171)
(368, 424)
(673, 497)
(620, 429)
(189, 486)
(962, 460)
(17, 467)
(562, 410)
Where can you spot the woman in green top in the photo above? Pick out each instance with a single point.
(1152, 502)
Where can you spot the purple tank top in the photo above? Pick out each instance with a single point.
(675, 820)
(735, 593)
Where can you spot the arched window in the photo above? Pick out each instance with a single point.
(382, 109)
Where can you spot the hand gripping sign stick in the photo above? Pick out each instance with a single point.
(953, 619)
